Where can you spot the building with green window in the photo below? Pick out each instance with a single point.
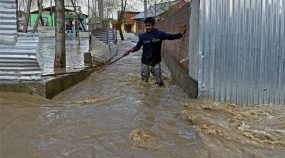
(48, 17)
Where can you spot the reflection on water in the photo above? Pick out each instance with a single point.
(74, 54)
(113, 114)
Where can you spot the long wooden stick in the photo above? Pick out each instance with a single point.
(85, 70)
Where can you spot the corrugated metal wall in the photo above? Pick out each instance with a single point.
(18, 60)
(242, 51)
(107, 36)
(8, 23)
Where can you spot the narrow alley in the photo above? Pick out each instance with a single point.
(113, 114)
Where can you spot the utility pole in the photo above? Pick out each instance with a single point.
(145, 11)
(145, 8)
(154, 9)
(88, 18)
(95, 19)
(88, 8)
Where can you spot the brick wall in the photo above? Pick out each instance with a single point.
(177, 49)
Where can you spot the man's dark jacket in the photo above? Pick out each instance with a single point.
(151, 43)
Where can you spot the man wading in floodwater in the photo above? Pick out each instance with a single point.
(151, 57)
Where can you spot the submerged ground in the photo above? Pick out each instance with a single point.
(113, 114)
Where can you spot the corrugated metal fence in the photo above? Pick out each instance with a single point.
(242, 51)
(18, 60)
(107, 36)
(8, 25)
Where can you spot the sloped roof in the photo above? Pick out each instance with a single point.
(128, 18)
(48, 9)
(156, 9)
(53, 8)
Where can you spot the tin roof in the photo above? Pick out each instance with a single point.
(156, 9)
(128, 18)
(53, 8)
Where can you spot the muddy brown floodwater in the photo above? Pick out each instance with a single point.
(113, 114)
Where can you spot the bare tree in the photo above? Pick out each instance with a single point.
(120, 7)
(78, 17)
(121, 17)
(27, 16)
(23, 5)
(101, 11)
(94, 13)
(60, 56)
(39, 16)
(40, 6)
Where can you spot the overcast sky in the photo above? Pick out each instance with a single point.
(84, 4)
(137, 5)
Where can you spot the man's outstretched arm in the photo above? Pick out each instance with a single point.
(135, 48)
(127, 52)
(175, 36)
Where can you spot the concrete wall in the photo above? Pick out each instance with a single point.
(181, 78)
(194, 42)
(176, 53)
(55, 86)
(47, 89)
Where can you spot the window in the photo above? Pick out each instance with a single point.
(45, 21)
(116, 26)
(140, 25)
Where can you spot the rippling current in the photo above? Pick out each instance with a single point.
(113, 114)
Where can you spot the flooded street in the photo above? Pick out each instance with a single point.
(113, 114)
(74, 54)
